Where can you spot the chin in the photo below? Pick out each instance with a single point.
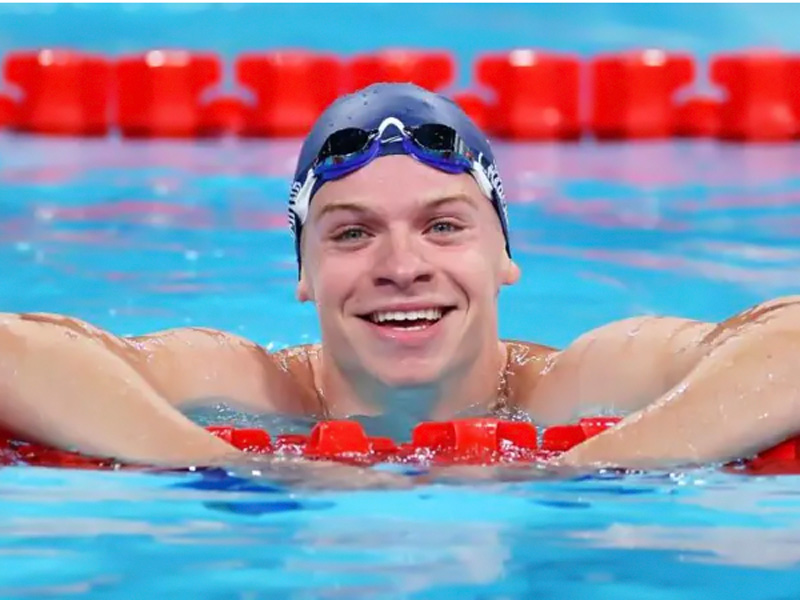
(408, 373)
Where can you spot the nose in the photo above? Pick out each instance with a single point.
(400, 262)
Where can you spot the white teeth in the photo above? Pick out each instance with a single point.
(428, 314)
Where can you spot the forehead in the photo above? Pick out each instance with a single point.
(398, 182)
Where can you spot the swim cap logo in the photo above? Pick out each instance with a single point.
(299, 198)
(494, 177)
(296, 187)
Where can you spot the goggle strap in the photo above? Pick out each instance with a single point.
(482, 179)
(299, 202)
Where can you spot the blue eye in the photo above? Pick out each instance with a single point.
(350, 234)
(445, 227)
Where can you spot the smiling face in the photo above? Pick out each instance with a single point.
(404, 264)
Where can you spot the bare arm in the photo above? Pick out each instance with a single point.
(741, 396)
(66, 383)
(620, 367)
(191, 365)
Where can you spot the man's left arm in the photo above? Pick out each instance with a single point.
(620, 367)
(740, 393)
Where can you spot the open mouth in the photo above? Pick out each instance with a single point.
(408, 320)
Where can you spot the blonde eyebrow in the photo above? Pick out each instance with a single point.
(342, 206)
(435, 202)
(450, 199)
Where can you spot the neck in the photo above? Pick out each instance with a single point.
(475, 384)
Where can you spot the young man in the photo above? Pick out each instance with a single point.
(402, 242)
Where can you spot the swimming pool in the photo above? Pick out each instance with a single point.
(138, 236)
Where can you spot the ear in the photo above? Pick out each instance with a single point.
(511, 271)
(304, 291)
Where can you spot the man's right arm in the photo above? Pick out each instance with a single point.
(68, 384)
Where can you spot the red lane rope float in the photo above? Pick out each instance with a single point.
(476, 107)
(7, 108)
(63, 92)
(697, 117)
(291, 88)
(475, 441)
(432, 70)
(224, 115)
(762, 102)
(537, 95)
(632, 93)
(521, 94)
(159, 93)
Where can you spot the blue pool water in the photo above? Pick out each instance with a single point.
(137, 237)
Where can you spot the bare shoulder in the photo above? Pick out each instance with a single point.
(54, 326)
(299, 364)
(53, 320)
(220, 364)
(618, 366)
(525, 364)
(782, 312)
(189, 364)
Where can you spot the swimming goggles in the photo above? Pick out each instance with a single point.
(434, 144)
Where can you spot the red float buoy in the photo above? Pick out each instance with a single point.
(430, 69)
(536, 93)
(64, 92)
(632, 93)
(698, 117)
(292, 88)
(762, 100)
(158, 93)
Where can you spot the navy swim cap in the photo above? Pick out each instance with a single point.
(368, 110)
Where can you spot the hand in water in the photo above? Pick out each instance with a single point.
(304, 474)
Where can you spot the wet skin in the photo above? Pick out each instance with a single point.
(398, 238)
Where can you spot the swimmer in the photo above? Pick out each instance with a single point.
(401, 233)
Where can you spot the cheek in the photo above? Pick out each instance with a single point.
(333, 280)
(483, 261)
(476, 275)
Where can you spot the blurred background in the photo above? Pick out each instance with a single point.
(142, 234)
(138, 234)
(464, 29)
